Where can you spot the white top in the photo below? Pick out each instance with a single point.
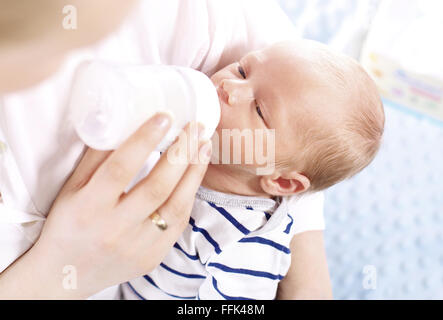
(39, 148)
(234, 248)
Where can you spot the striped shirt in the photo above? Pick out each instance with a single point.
(234, 247)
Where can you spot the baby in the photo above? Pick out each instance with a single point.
(328, 121)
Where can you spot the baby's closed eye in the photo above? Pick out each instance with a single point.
(241, 71)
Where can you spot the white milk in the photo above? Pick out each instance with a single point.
(110, 102)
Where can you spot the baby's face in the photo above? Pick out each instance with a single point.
(273, 88)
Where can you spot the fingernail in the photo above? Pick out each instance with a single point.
(162, 120)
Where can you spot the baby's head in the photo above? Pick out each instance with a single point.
(325, 109)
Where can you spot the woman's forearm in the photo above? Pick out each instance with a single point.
(308, 277)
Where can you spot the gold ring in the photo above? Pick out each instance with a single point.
(158, 221)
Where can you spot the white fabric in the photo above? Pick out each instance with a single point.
(233, 248)
(308, 212)
(41, 148)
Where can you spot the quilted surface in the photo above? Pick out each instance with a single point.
(384, 233)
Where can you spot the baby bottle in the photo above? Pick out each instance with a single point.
(110, 102)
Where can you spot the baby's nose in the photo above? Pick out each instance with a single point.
(238, 92)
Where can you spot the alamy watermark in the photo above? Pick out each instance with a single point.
(369, 277)
(253, 147)
(70, 20)
(69, 281)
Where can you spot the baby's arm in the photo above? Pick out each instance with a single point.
(308, 276)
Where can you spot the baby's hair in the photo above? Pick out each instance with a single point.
(335, 151)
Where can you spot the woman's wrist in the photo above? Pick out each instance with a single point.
(40, 275)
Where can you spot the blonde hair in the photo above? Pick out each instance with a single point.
(333, 152)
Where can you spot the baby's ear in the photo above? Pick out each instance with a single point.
(282, 184)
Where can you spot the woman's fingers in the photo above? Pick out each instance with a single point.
(156, 188)
(175, 212)
(118, 170)
(91, 160)
(177, 209)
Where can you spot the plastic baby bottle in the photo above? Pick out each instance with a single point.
(109, 102)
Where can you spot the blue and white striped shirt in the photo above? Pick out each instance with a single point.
(234, 247)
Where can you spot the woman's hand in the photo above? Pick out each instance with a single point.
(100, 236)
